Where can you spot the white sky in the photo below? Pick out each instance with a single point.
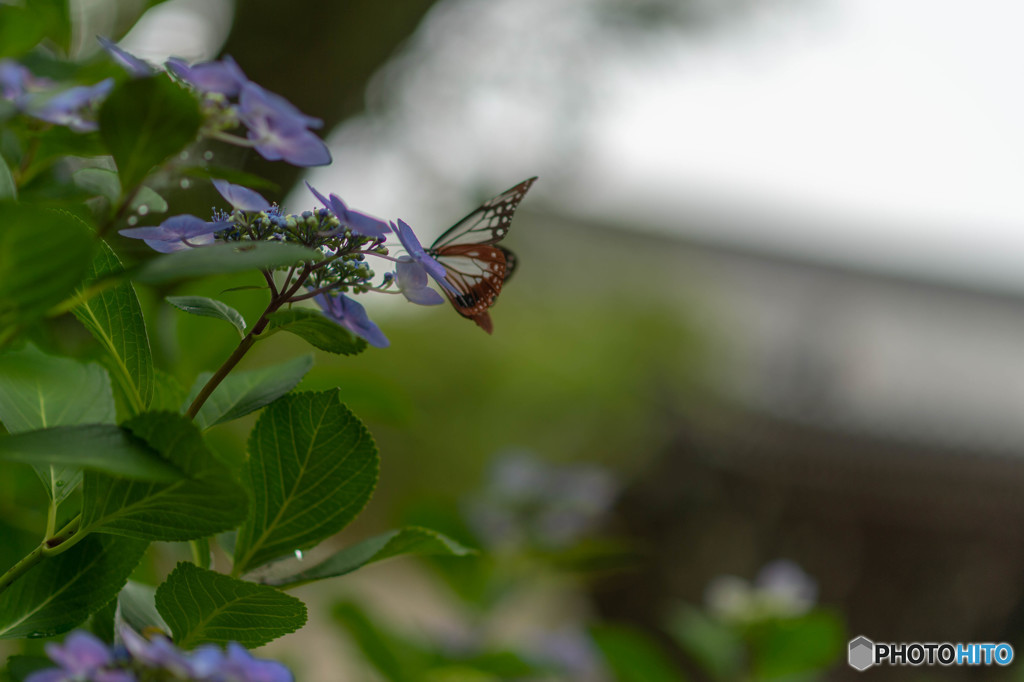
(904, 118)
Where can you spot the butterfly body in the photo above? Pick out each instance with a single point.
(476, 267)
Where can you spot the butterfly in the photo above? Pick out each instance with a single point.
(475, 266)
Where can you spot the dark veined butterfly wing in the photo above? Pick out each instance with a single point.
(477, 268)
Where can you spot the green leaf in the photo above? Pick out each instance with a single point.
(19, 667)
(168, 393)
(96, 447)
(145, 121)
(8, 190)
(317, 330)
(634, 656)
(244, 392)
(34, 274)
(39, 391)
(223, 258)
(207, 502)
(411, 540)
(788, 647)
(61, 591)
(137, 607)
(202, 606)
(208, 307)
(312, 468)
(100, 181)
(148, 198)
(396, 658)
(717, 647)
(114, 318)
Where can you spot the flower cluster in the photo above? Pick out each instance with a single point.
(345, 237)
(84, 658)
(275, 128)
(41, 99)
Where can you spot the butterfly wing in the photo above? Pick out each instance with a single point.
(476, 273)
(489, 223)
(476, 267)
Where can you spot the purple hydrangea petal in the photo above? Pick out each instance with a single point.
(66, 108)
(206, 661)
(277, 141)
(225, 77)
(158, 652)
(412, 282)
(16, 80)
(132, 64)
(242, 198)
(360, 223)
(352, 316)
(175, 246)
(13, 78)
(416, 251)
(176, 228)
(257, 102)
(80, 653)
(241, 665)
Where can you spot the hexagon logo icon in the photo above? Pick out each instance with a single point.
(862, 653)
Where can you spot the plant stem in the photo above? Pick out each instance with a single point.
(66, 538)
(16, 571)
(287, 291)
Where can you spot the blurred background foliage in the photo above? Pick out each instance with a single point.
(752, 402)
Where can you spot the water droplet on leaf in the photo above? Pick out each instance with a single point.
(132, 220)
(298, 554)
(207, 155)
(143, 209)
(185, 183)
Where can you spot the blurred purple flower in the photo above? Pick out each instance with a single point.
(359, 223)
(158, 652)
(224, 77)
(132, 64)
(16, 81)
(787, 586)
(171, 234)
(67, 108)
(242, 198)
(279, 130)
(80, 657)
(352, 316)
(240, 665)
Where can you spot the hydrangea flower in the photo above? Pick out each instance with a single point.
(242, 198)
(411, 278)
(418, 255)
(360, 223)
(68, 108)
(279, 130)
(84, 658)
(132, 64)
(81, 657)
(171, 235)
(224, 77)
(16, 81)
(352, 316)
